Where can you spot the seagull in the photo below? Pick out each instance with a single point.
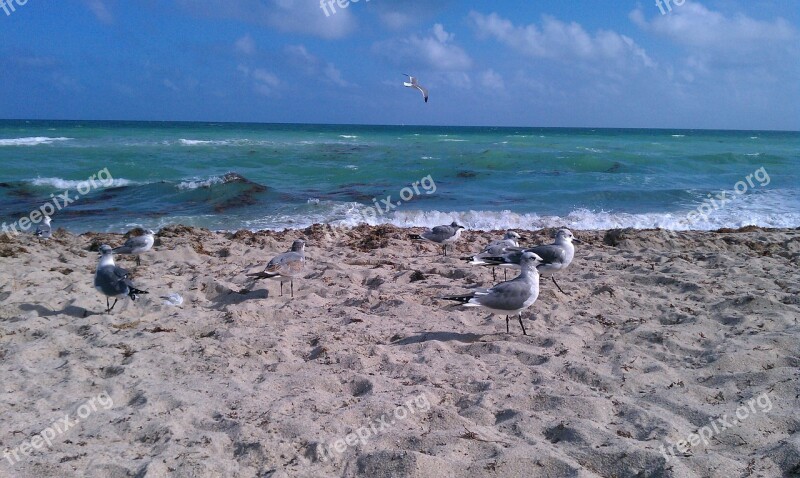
(556, 256)
(509, 297)
(137, 244)
(412, 83)
(44, 231)
(443, 235)
(112, 281)
(285, 267)
(495, 248)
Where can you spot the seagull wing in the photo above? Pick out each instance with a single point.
(423, 90)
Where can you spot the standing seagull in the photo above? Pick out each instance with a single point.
(556, 256)
(137, 245)
(443, 235)
(412, 83)
(112, 281)
(44, 231)
(285, 267)
(509, 297)
(494, 249)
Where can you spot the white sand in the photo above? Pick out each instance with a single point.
(661, 335)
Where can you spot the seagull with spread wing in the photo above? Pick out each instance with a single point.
(412, 83)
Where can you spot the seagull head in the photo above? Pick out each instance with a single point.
(105, 250)
(456, 226)
(512, 235)
(46, 220)
(566, 235)
(298, 245)
(529, 260)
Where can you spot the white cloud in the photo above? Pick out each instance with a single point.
(263, 81)
(313, 66)
(492, 80)
(711, 37)
(435, 51)
(555, 39)
(294, 16)
(100, 11)
(246, 45)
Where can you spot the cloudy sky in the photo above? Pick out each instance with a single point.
(727, 64)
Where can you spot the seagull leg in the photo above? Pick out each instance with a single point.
(494, 276)
(108, 308)
(281, 288)
(291, 283)
(112, 305)
(444, 246)
(505, 276)
(559, 287)
(521, 324)
(506, 324)
(138, 260)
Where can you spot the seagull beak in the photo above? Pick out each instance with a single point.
(575, 239)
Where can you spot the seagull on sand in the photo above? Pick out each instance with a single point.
(412, 83)
(113, 281)
(509, 297)
(137, 244)
(494, 249)
(556, 256)
(443, 235)
(285, 267)
(44, 231)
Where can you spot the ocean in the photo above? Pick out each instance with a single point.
(111, 176)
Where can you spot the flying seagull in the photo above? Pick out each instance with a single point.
(509, 297)
(113, 281)
(285, 267)
(44, 231)
(443, 235)
(412, 83)
(556, 256)
(137, 245)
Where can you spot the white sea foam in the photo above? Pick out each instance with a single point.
(66, 184)
(31, 141)
(197, 183)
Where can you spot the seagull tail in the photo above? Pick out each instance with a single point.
(263, 275)
(415, 237)
(462, 299)
(135, 293)
(492, 261)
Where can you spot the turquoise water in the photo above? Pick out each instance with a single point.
(263, 176)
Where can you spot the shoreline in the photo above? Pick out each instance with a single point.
(365, 372)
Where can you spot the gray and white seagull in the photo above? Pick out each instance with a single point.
(443, 235)
(556, 257)
(137, 245)
(494, 249)
(413, 83)
(44, 231)
(285, 267)
(509, 297)
(113, 281)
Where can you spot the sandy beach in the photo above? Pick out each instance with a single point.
(673, 355)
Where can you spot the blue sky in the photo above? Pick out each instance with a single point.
(714, 64)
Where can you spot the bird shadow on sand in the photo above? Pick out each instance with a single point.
(233, 297)
(69, 310)
(440, 336)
